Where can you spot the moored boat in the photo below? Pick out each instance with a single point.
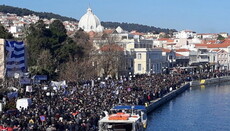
(124, 118)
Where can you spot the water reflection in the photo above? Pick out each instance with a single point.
(200, 108)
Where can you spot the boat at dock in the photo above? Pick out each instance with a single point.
(124, 118)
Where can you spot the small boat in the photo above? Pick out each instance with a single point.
(124, 118)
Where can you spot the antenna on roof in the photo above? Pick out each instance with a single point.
(89, 5)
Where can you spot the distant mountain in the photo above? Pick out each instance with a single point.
(137, 27)
(48, 15)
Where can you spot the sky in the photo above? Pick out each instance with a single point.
(202, 16)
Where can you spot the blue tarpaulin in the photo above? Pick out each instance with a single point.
(12, 95)
(40, 77)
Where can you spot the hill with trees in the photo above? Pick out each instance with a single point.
(137, 27)
(23, 11)
(48, 15)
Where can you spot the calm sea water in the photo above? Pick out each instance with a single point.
(205, 108)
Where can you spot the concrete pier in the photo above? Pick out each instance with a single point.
(209, 81)
(160, 101)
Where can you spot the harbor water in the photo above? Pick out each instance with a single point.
(203, 108)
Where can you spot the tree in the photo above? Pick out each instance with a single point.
(51, 51)
(220, 37)
(4, 33)
(37, 39)
(74, 71)
(58, 31)
(46, 63)
(110, 59)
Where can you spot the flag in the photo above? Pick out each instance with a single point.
(15, 57)
(12, 95)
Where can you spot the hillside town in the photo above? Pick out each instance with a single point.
(145, 53)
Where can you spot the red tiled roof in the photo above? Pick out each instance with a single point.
(201, 45)
(138, 33)
(111, 47)
(163, 39)
(226, 41)
(216, 50)
(182, 50)
(171, 43)
(165, 50)
(178, 54)
(222, 45)
(209, 41)
(109, 31)
(170, 40)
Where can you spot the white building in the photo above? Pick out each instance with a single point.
(90, 22)
(184, 34)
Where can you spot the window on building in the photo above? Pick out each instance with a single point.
(139, 67)
(139, 56)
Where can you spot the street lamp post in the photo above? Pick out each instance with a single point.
(50, 94)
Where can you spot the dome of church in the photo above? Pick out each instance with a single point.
(89, 22)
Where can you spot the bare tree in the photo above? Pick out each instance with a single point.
(74, 71)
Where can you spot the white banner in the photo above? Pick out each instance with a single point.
(59, 84)
(29, 89)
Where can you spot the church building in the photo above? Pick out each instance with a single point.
(90, 22)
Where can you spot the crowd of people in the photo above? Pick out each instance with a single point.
(79, 107)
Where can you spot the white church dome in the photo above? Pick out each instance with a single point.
(89, 22)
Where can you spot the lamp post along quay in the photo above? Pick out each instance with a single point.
(50, 93)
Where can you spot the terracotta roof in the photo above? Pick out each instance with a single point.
(209, 41)
(137, 33)
(171, 43)
(222, 45)
(178, 54)
(226, 41)
(163, 39)
(182, 50)
(216, 50)
(111, 47)
(165, 50)
(170, 40)
(109, 31)
(201, 45)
